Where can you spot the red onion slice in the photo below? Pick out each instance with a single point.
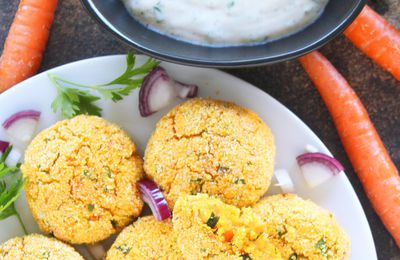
(21, 126)
(159, 90)
(318, 168)
(153, 196)
(3, 146)
(284, 182)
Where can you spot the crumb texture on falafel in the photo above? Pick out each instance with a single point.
(37, 246)
(146, 238)
(81, 179)
(213, 147)
(302, 229)
(211, 229)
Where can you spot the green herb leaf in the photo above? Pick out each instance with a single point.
(74, 99)
(90, 207)
(10, 193)
(114, 223)
(4, 169)
(124, 248)
(321, 245)
(239, 181)
(8, 212)
(212, 220)
(293, 256)
(245, 256)
(73, 102)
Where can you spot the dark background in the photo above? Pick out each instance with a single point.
(75, 36)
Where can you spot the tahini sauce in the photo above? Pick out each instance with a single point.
(226, 22)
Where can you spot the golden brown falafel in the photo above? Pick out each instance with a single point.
(146, 238)
(81, 179)
(207, 228)
(213, 147)
(36, 246)
(302, 230)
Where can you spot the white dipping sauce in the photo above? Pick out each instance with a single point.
(226, 22)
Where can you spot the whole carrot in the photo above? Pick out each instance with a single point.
(371, 161)
(26, 41)
(377, 38)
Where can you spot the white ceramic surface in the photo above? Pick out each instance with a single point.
(291, 134)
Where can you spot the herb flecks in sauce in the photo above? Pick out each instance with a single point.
(221, 22)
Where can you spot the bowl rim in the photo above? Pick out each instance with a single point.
(252, 62)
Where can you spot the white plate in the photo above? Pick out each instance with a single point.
(291, 134)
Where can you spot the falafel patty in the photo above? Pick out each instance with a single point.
(302, 230)
(213, 147)
(81, 179)
(36, 246)
(146, 238)
(208, 228)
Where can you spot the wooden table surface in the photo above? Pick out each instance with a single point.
(76, 36)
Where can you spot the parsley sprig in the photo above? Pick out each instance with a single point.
(9, 193)
(74, 99)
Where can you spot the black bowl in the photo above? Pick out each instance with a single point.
(114, 17)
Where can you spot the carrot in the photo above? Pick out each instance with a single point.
(377, 38)
(228, 235)
(26, 41)
(369, 158)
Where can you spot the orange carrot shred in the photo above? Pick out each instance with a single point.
(377, 38)
(371, 161)
(228, 235)
(26, 41)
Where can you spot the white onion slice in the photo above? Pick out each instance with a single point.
(318, 168)
(284, 182)
(161, 96)
(159, 90)
(97, 251)
(186, 90)
(153, 196)
(13, 157)
(21, 126)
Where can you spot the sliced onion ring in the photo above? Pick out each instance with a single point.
(159, 90)
(318, 168)
(284, 182)
(21, 126)
(153, 196)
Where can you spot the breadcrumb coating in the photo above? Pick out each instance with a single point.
(213, 147)
(81, 179)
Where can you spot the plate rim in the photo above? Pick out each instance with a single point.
(243, 82)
